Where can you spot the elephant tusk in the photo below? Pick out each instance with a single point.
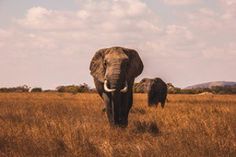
(125, 89)
(106, 88)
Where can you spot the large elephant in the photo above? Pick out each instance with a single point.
(114, 70)
(156, 89)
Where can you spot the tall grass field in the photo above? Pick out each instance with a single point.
(75, 125)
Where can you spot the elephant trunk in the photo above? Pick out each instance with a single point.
(115, 83)
(119, 109)
(115, 79)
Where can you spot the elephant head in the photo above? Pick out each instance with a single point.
(114, 70)
(156, 89)
(146, 83)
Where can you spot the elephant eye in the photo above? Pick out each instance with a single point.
(105, 63)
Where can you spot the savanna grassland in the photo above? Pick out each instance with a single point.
(56, 124)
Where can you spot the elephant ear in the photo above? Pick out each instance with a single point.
(135, 65)
(97, 69)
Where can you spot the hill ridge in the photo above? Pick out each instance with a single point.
(211, 84)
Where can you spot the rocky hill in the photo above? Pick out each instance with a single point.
(211, 84)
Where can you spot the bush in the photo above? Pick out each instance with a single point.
(37, 89)
(19, 89)
(82, 88)
(49, 90)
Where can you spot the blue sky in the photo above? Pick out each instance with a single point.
(48, 43)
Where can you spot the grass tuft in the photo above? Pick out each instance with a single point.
(146, 127)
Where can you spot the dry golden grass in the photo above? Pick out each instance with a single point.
(54, 124)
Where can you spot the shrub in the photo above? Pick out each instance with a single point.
(82, 88)
(37, 89)
(19, 89)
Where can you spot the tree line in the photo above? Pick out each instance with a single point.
(137, 88)
(82, 88)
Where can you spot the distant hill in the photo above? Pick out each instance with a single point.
(211, 84)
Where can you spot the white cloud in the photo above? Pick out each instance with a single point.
(4, 33)
(180, 2)
(129, 8)
(46, 37)
(230, 9)
(216, 30)
(97, 23)
(42, 18)
(207, 12)
(228, 2)
(205, 19)
(221, 24)
(60, 41)
(179, 31)
(83, 14)
(105, 15)
(224, 52)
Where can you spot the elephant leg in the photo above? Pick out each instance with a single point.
(108, 103)
(130, 100)
(163, 102)
(127, 101)
(130, 95)
(123, 110)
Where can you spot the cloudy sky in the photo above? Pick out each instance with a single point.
(48, 43)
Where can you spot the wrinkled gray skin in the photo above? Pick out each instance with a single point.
(156, 89)
(119, 67)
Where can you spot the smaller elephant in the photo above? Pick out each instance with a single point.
(156, 89)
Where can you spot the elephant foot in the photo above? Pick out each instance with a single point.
(118, 125)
